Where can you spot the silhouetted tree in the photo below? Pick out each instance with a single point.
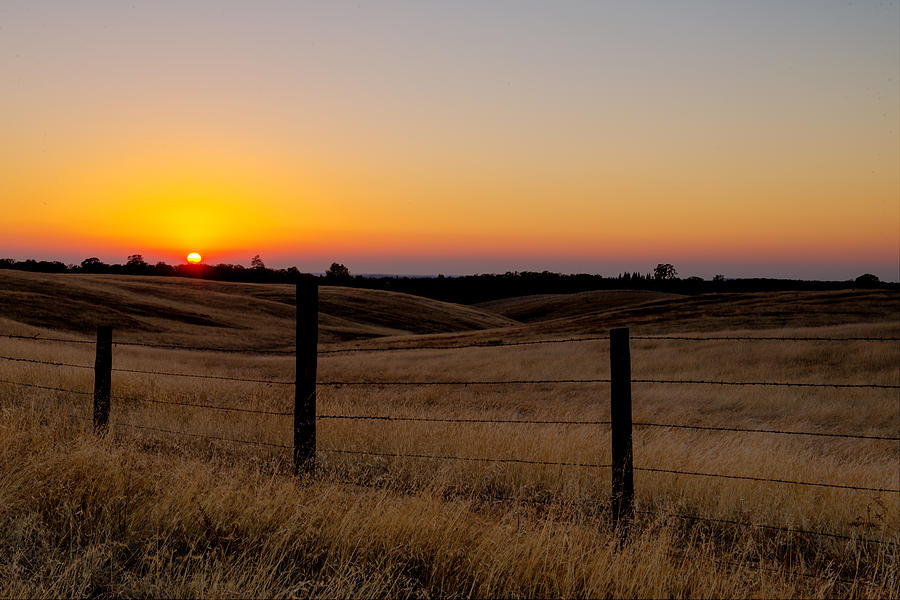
(162, 268)
(43, 266)
(664, 271)
(136, 264)
(719, 278)
(337, 271)
(93, 265)
(257, 263)
(867, 280)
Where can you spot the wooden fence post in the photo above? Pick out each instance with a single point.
(305, 390)
(102, 377)
(620, 418)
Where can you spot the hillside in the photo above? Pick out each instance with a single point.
(723, 312)
(177, 310)
(542, 307)
(595, 313)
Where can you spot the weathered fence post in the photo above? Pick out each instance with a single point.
(305, 390)
(102, 377)
(620, 418)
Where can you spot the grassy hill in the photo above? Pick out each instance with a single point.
(737, 311)
(254, 316)
(542, 307)
(176, 310)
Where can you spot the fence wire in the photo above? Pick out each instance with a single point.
(36, 338)
(340, 383)
(200, 376)
(201, 435)
(206, 348)
(207, 406)
(498, 344)
(767, 480)
(583, 422)
(762, 338)
(45, 387)
(459, 420)
(774, 431)
(45, 362)
(464, 458)
(877, 386)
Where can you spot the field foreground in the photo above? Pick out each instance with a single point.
(140, 511)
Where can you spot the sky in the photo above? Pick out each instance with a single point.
(749, 138)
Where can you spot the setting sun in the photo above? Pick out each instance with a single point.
(194, 258)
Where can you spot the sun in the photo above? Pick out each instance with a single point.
(194, 258)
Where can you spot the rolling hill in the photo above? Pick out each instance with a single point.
(177, 310)
(736, 311)
(172, 310)
(542, 307)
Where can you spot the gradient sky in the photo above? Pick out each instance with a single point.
(745, 138)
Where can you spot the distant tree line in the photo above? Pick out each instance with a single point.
(136, 265)
(469, 289)
(466, 289)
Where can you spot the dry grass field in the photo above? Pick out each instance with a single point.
(140, 512)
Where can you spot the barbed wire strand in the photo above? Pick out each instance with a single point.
(199, 376)
(452, 420)
(649, 469)
(464, 458)
(144, 372)
(739, 338)
(497, 344)
(206, 348)
(45, 362)
(771, 384)
(207, 406)
(201, 435)
(776, 431)
(767, 480)
(460, 382)
(338, 383)
(569, 422)
(35, 338)
(606, 338)
(45, 387)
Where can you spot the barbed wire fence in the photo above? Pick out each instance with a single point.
(304, 447)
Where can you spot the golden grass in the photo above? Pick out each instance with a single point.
(144, 513)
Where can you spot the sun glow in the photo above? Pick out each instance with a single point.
(194, 258)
